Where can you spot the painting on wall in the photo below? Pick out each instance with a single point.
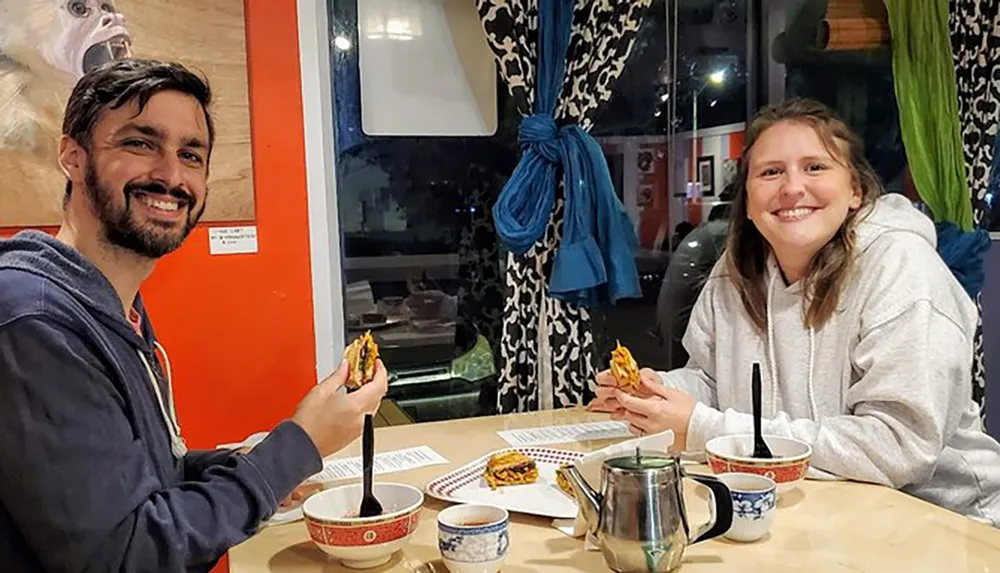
(706, 175)
(729, 167)
(47, 45)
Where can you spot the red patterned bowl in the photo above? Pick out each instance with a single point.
(727, 454)
(363, 543)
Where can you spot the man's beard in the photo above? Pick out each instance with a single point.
(151, 239)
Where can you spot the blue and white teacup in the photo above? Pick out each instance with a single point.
(754, 502)
(473, 538)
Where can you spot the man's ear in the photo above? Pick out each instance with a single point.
(72, 159)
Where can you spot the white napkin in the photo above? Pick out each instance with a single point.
(820, 475)
(590, 468)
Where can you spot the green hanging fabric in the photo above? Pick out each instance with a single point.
(927, 97)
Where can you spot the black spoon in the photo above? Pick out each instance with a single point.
(370, 506)
(760, 449)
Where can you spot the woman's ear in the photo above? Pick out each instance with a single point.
(856, 197)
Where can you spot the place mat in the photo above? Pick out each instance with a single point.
(385, 462)
(350, 468)
(566, 433)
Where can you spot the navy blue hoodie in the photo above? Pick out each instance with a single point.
(88, 481)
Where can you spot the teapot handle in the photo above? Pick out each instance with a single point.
(722, 509)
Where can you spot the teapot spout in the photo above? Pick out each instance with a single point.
(588, 499)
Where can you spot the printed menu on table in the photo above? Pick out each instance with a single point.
(565, 433)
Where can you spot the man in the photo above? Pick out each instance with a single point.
(689, 267)
(94, 475)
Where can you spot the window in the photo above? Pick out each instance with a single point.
(856, 83)
(419, 164)
(673, 130)
(425, 69)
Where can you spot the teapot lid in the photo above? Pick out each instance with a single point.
(644, 462)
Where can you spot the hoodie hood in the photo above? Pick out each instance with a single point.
(41, 254)
(894, 213)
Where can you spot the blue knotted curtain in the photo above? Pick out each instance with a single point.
(964, 253)
(548, 358)
(595, 261)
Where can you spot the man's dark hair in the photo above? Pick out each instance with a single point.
(119, 82)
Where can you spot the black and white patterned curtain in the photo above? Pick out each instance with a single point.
(547, 352)
(975, 40)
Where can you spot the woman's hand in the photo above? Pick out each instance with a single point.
(653, 409)
(605, 402)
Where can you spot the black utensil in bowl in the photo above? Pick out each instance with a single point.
(370, 506)
(760, 449)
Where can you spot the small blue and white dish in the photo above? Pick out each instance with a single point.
(473, 538)
(754, 503)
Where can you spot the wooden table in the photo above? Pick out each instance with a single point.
(820, 526)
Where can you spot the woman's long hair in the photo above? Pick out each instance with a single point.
(747, 250)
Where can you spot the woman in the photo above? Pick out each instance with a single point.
(863, 335)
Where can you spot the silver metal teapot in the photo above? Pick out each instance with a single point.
(639, 518)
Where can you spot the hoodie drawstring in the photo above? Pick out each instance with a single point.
(773, 363)
(177, 445)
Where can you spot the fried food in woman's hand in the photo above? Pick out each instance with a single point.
(624, 369)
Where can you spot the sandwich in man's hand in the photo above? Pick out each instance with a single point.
(361, 356)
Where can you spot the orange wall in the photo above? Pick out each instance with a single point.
(239, 328)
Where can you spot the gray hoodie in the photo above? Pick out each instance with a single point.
(882, 392)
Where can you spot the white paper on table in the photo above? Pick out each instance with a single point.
(349, 468)
(566, 433)
(385, 462)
